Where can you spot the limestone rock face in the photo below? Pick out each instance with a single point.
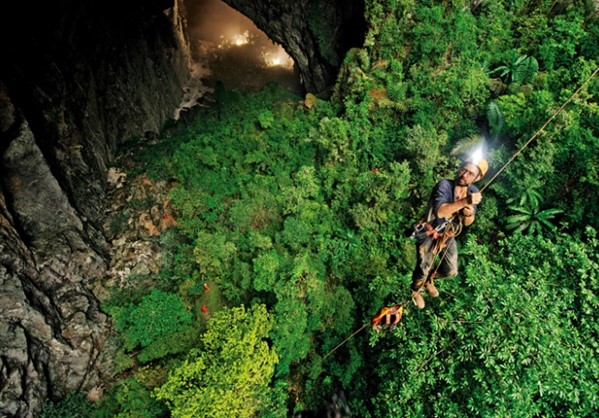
(317, 34)
(51, 327)
(76, 81)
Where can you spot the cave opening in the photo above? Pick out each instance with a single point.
(228, 47)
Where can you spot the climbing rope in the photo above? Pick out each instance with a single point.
(487, 184)
(346, 340)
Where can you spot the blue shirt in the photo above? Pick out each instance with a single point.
(443, 193)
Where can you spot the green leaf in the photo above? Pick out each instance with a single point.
(495, 117)
(525, 69)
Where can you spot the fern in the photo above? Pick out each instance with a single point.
(528, 216)
(520, 69)
(525, 69)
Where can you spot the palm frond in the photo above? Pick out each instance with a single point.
(521, 210)
(527, 215)
(525, 69)
(495, 117)
(532, 199)
(517, 221)
(549, 213)
(547, 224)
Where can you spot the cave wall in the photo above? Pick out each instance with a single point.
(77, 78)
(315, 33)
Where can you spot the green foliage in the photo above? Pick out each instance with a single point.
(266, 119)
(130, 398)
(291, 334)
(305, 212)
(159, 325)
(519, 69)
(73, 405)
(213, 253)
(333, 139)
(377, 193)
(424, 146)
(561, 36)
(498, 346)
(529, 217)
(495, 118)
(230, 374)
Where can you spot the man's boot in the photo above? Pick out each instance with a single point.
(417, 292)
(431, 289)
(418, 299)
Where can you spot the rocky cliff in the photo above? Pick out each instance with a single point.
(77, 78)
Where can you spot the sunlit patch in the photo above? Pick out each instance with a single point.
(236, 39)
(241, 39)
(277, 57)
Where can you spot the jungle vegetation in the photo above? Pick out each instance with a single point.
(298, 219)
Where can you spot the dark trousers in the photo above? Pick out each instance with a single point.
(426, 260)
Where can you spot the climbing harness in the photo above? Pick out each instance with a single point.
(423, 227)
(441, 233)
(391, 315)
(451, 230)
(441, 244)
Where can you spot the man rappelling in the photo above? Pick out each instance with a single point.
(453, 204)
